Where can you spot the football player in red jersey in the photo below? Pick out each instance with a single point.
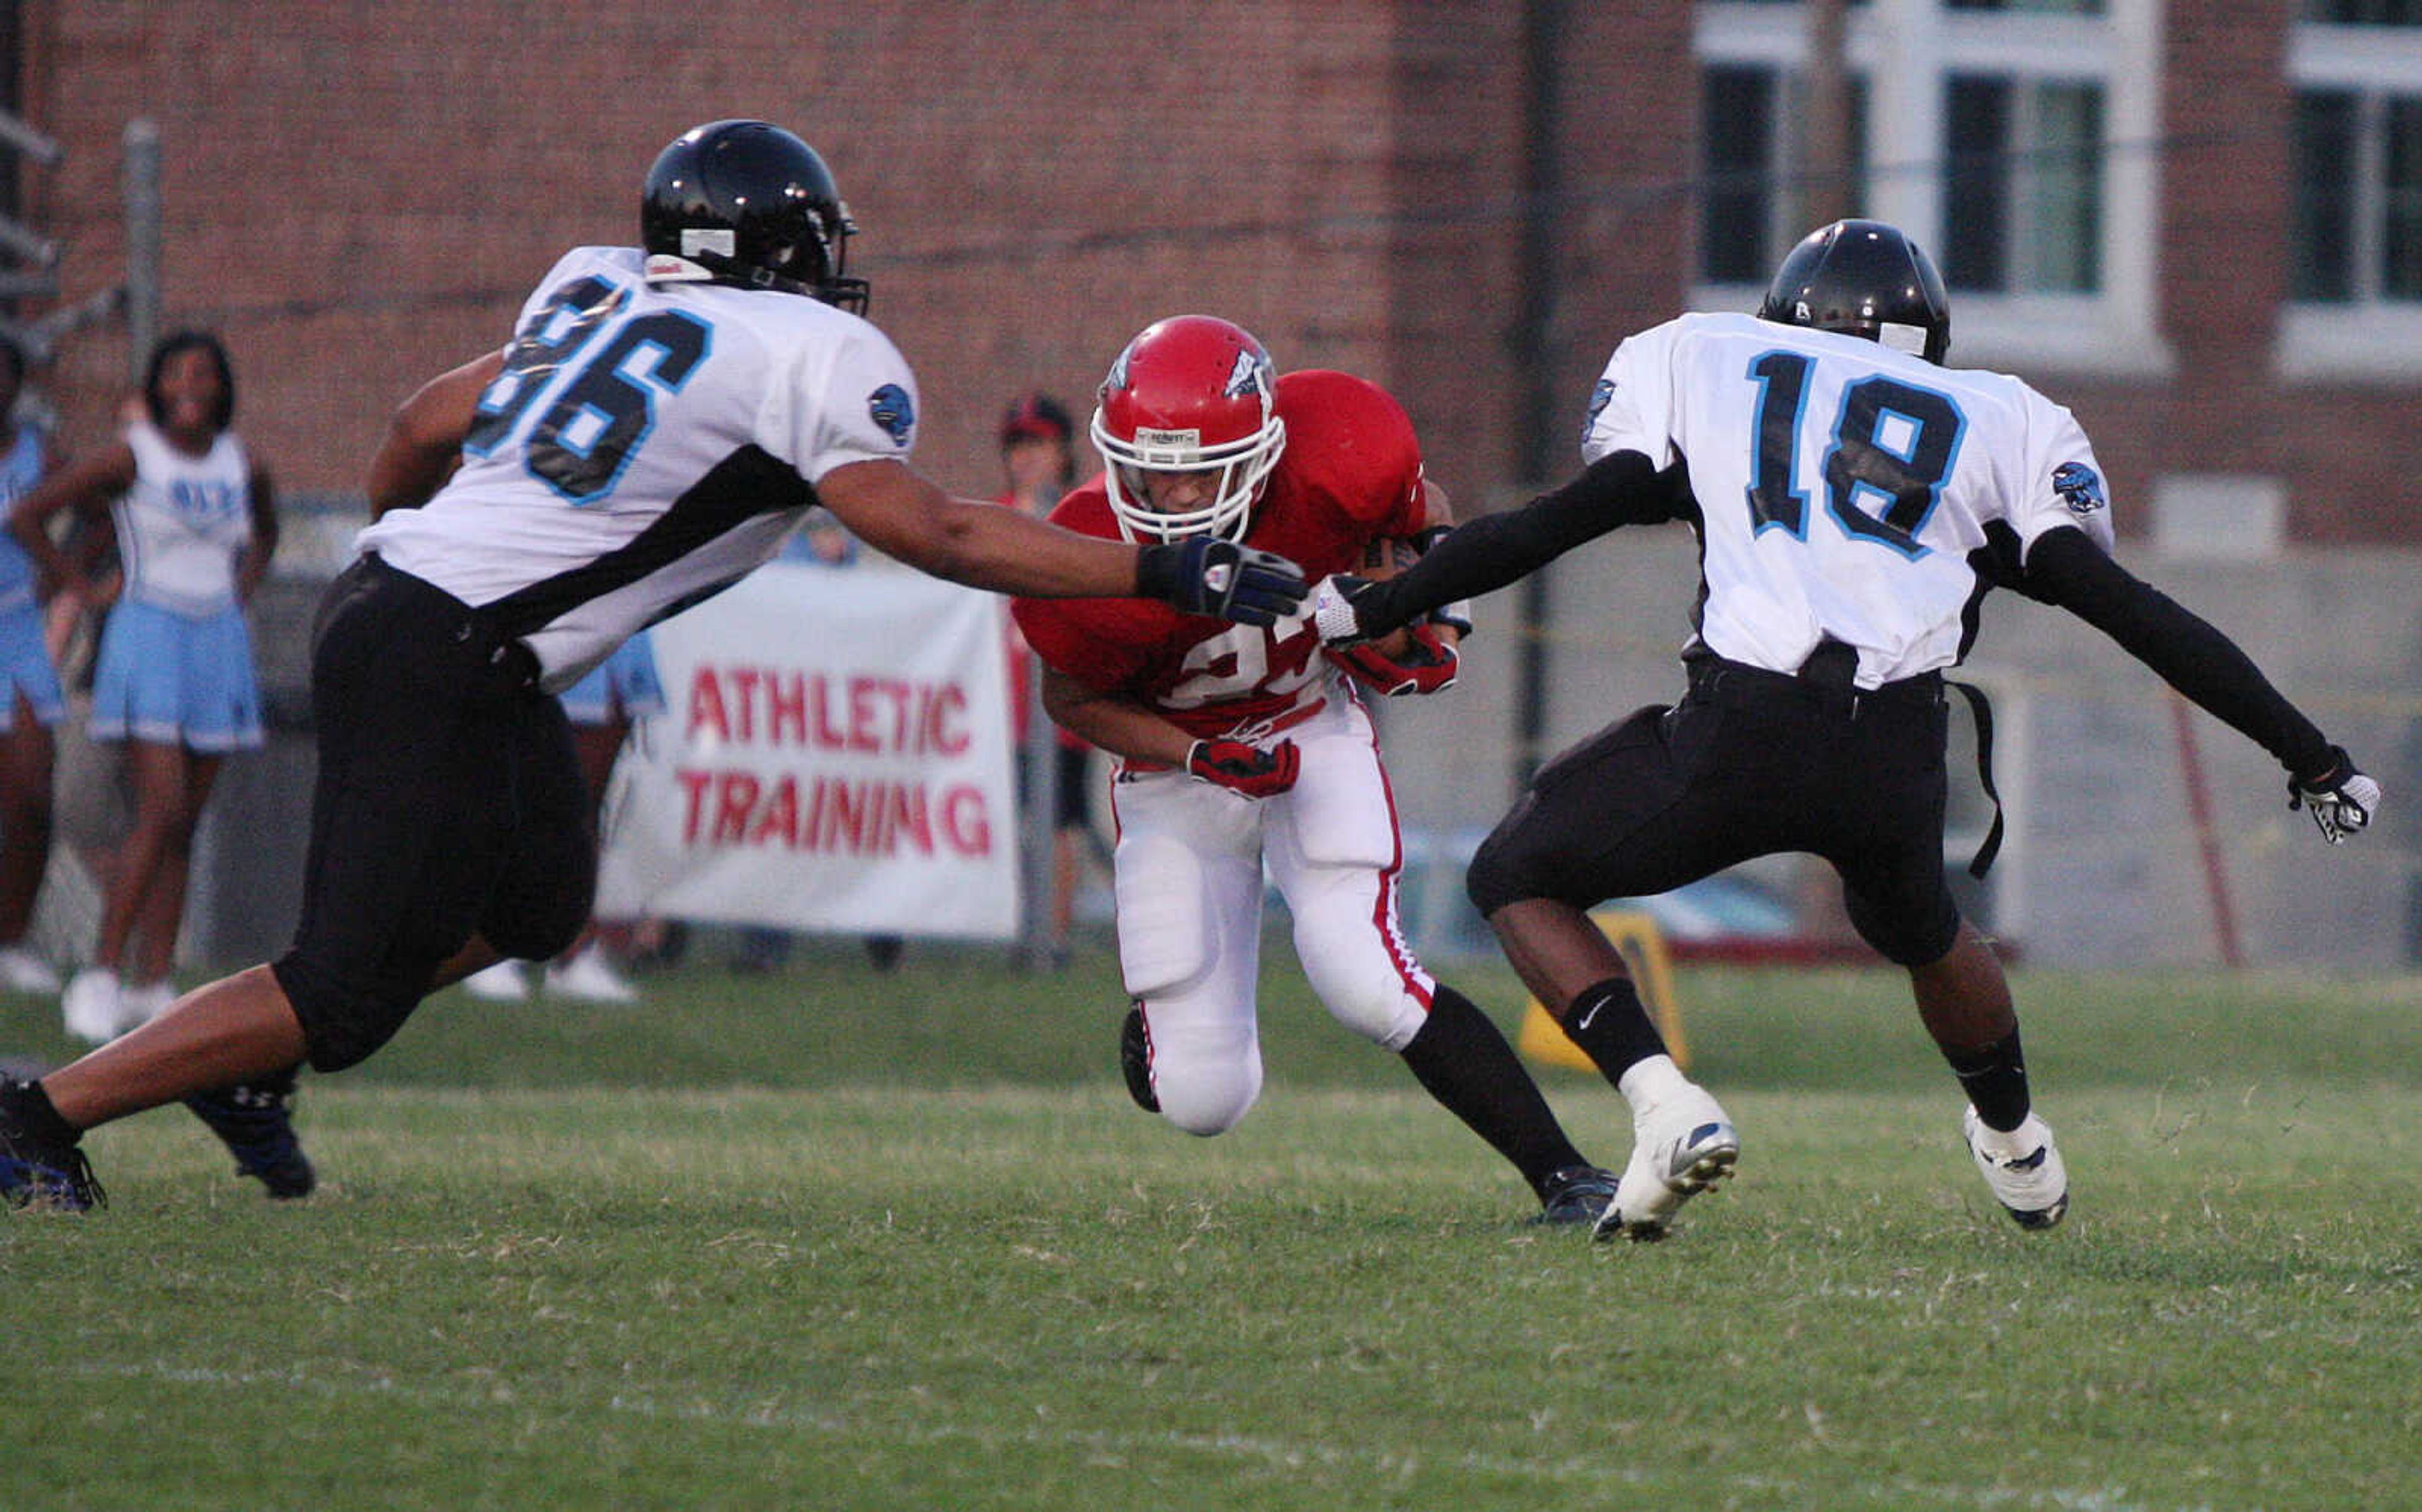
(1240, 748)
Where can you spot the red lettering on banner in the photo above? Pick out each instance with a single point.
(732, 808)
(786, 710)
(731, 813)
(693, 786)
(828, 735)
(706, 706)
(743, 698)
(872, 715)
(965, 825)
(779, 818)
(945, 714)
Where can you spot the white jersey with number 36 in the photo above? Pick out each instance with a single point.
(645, 445)
(1841, 485)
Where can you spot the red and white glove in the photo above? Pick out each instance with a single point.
(1243, 768)
(1430, 666)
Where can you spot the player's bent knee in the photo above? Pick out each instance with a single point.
(343, 1026)
(1503, 871)
(1910, 937)
(1204, 1102)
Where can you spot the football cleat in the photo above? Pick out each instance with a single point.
(22, 971)
(255, 1124)
(91, 1005)
(1577, 1195)
(41, 1173)
(500, 983)
(2022, 1167)
(588, 977)
(1679, 1148)
(1135, 1060)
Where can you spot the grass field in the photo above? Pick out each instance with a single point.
(834, 1240)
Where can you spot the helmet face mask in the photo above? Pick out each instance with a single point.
(747, 203)
(1863, 278)
(1189, 429)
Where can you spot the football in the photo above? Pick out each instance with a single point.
(1383, 558)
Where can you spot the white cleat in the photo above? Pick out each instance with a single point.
(91, 1006)
(500, 983)
(2022, 1167)
(22, 971)
(1679, 1148)
(589, 978)
(139, 1005)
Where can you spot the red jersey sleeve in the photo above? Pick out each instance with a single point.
(1362, 460)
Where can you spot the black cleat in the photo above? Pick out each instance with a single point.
(1577, 1195)
(36, 1172)
(252, 1120)
(1135, 1060)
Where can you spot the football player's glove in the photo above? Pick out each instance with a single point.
(1337, 611)
(1429, 667)
(1206, 575)
(2343, 800)
(1243, 768)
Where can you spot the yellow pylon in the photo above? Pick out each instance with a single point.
(1642, 945)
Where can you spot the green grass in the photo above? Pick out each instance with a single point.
(842, 1240)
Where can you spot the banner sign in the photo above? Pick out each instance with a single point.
(835, 757)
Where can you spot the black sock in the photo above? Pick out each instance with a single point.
(1612, 1026)
(1995, 1078)
(31, 1107)
(1462, 1061)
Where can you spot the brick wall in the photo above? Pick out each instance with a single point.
(359, 194)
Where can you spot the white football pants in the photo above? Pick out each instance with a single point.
(1190, 859)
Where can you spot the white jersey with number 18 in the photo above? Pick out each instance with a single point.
(1841, 485)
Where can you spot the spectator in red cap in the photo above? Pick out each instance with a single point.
(1038, 457)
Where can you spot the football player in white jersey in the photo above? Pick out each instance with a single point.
(1853, 499)
(662, 418)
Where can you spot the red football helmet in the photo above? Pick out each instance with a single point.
(1191, 395)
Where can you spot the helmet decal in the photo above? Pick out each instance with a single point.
(1251, 375)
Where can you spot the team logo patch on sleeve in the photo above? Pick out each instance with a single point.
(892, 408)
(1600, 396)
(2079, 487)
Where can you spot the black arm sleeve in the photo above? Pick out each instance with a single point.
(2066, 567)
(1483, 555)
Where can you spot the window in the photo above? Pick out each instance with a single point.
(2012, 138)
(2355, 272)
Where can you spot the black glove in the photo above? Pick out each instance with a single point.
(1243, 768)
(1206, 575)
(2343, 800)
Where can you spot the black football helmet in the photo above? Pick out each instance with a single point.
(746, 202)
(1863, 278)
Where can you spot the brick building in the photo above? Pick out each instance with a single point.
(2198, 222)
(2190, 220)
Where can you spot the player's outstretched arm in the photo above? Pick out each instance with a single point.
(1485, 554)
(900, 512)
(2066, 567)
